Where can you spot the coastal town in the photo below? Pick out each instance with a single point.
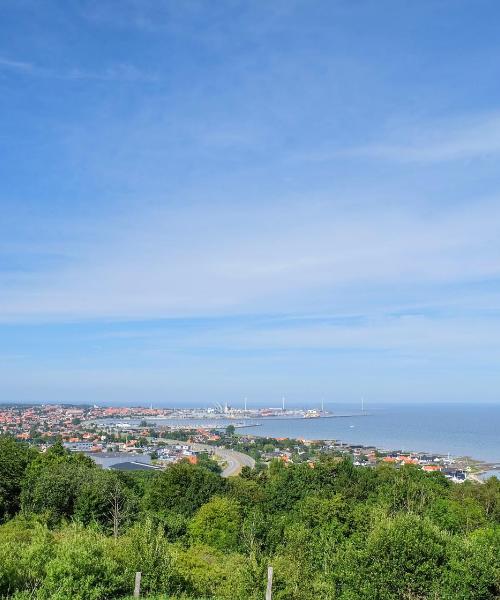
(135, 438)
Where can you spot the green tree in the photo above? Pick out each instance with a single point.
(147, 550)
(15, 458)
(457, 517)
(53, 482)
(487, 494)
(205, 572)
(402, 557)
(86, 566)
(217, 523)
(207, 462)
(182, 488)
(26, 547)
(107, 497)
(472, 571)
(409, 489)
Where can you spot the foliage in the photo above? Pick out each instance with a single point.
(53, 481)
(14, 459)
(217, 523)
(332, 531)
(182, 489)
(109, 498)
(86, 566)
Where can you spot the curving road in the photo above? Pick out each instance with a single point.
(235, 460)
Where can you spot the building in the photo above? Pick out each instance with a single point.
(111, 460)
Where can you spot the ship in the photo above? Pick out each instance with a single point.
(312, 414)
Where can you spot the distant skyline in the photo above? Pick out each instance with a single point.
(205, 201)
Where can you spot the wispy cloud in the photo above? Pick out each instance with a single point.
(151, 16)
(209, 259)
(459, 139)
(17, 65)
(418, 334)
(430, 141)
(116, 72)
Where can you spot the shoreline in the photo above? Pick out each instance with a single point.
(479, 467)
(474, 467)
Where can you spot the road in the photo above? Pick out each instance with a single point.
(235, 461)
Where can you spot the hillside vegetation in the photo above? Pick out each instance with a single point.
(72, 531)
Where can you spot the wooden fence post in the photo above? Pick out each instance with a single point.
(269, 591)
(137, 586)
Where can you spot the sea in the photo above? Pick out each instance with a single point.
(458, 429)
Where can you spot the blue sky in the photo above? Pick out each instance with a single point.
(202, 201)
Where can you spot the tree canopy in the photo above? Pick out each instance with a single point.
(72, 530)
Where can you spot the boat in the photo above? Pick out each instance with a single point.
(312, 414)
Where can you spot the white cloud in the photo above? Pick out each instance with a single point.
(427, 142)
(418, 336)
(115, 72)
(207, 259)
(16, 65)
(118, 72)
(457, 139)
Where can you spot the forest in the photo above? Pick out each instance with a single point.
(73, 531)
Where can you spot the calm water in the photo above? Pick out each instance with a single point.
(458, 429)
(461, 430)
